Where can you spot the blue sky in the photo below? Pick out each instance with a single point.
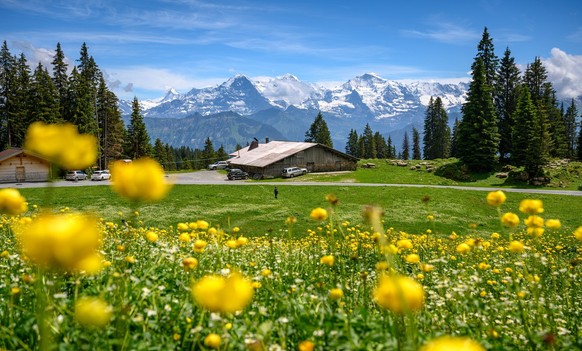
(146, 47)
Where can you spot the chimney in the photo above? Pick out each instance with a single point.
(254, 145)
(266, 140)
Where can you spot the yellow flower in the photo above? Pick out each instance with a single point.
(496, 198)
(430, 217)
(241, 241)
(306, 345)
(531, 207)
(60, 242)
(495, 236)
(463, 248)
(92, 312)
(212, 231)
(413, 258)
(426, 268)
(62, 144)
(189, 263)
(266, 272)
(141, 180)
(452, 343)
(319, 214)
(199, 246)
(510, 220)
(202, 225)
(553, 224)
(11, 202)
(399, 294)
(235, 229)
(336, 294)
(533, 231)
(183, 227)
(184, 237)
(152, 236)
(327, 260)
(516, 246)
(212, 341)
(290, 220)
(232, 244)
(534, 221)
(220, 294)
(578, 233)
(404, 244)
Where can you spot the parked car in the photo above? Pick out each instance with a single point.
(236, 173)
(76, 175)
(291, 172)
(218, 165)
(101, 175)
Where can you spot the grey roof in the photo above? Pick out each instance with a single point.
(15, 151)
(266, 154)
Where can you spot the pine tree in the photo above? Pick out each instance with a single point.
(318, 132)
(508, 79)
(138, 141)
(159, 153)
(221, 153)
(60, 78)
(43, 97)
(367, 144)
(437, 133)
(486, 52)
(170, 158)
(570, 129)
(405, 147)
(19, 102)
(352, 144)
(7, 78)
(454, 139)
(111, 127)
(380, 142)
(478, 137)
(208, 154)
(416, 152)
(579, 145)
(390, 148)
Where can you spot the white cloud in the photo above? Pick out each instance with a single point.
(565, 73)
(446, 33)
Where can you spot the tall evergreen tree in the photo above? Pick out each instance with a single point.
(318, 132)
(454, 139)
(528, 135)
(60, 78)
(43, 97)
(405, 147)
(427, 139)
(380, 142)
(352, 144)
(111, 127)
(138, 141)
(208, 154)
(416, 153)
(478, 136)
(367, 144)
(221, 153)
(159, 153)
(570, 129)
(508, 79)
(437, 133)
(80, 104)
(486, 53)
(19, 102)
(7, 78)
(579, 145)
(390, 148)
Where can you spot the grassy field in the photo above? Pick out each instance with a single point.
(254, 209)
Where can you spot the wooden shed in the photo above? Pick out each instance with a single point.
(268, 160)
(17, 166)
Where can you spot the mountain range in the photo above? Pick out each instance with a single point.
(283, 108)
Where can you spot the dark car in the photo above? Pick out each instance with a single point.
(236, 173)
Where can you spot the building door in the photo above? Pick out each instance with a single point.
(20, 174)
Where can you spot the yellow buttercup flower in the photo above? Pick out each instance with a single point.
(11, 202)
(152, 236)
(496, 198)
(399, 294)
(327, 260)
(61, 144)
(336, 294)
(141, 180)
(578, 233)
(212, 341)
(189, 263)
(413, 258)
(463, 248)
(219, 294)
(510, 220)
(553, 224)
(516, 246)
(404, 244)
(531, 207)
(61, 242)
(319, 214)
(199, 245)
(306, 345)
(451, 343)
(534, 221)
(92, 312)
(202, 224)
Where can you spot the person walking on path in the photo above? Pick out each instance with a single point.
(276, 192)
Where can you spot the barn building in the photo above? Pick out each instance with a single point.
(17, 166)
(268, 160)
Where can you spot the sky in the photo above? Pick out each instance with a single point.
(145, 48)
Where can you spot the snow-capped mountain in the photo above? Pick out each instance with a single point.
(367, 96)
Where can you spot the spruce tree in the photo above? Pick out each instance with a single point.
(352, 144)
(111, 127)
(454, 139)
(60, 78)
(367, 144)
(159, 153)
(19, 102)
(579, 145)
(380, 143)
(508, 79)
(390, 148)
(478, 137)
(405, 147)
(221, 153)
(318, 132)
(138, 141)
(486, 52)
(416, 153)
(43, 97)
(570, 129)
(7, 77)
(208, 154)
(427, 138)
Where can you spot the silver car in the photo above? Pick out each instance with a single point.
(76, 175)
(101, 175)
(291, 172)
(218, 165)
